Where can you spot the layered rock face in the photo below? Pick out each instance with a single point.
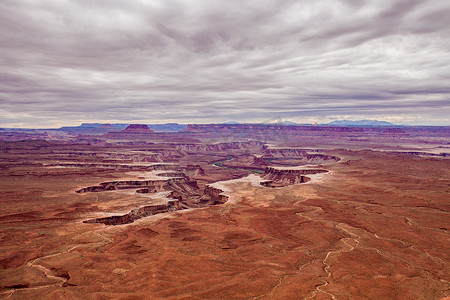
(193, 170)
(268, 153)
(259, 161)
(132, 132)
(300, 154)
(157, 185)
(271, 171)
(180, 192)
(181, 188)
(276, 177)
(185, 192)
(138, 213)
(137, 128)
(215, 195)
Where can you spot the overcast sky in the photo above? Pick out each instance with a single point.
(63, 62)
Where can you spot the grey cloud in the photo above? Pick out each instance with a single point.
(217, 60)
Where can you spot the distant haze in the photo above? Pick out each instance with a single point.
(189, 61)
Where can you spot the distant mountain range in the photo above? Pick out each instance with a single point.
(99, 128)
(334, 123)
(168, 127)
(360, 123)
(284, 123)
(287, 123)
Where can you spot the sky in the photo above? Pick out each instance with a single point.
(64, 62)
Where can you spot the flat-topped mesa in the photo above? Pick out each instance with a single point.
(124, 167)
(269, 153)
(157, 185)
(153, 167)
(138, 213)
(287, 171)
(137, 128)
(181, 191)
(301, 154)
(278, 177)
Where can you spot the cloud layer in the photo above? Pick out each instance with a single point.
(64, 62)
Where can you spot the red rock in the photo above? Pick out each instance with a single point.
(137, 128)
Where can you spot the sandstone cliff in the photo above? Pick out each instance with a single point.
(137, 128)
(276, 177)
(193, 170)
(138, 213)
(214, 196)
(300, 154)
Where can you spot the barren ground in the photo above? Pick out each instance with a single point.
(374, 227)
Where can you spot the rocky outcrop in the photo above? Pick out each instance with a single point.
(266, 183)
(132, 132)
(321, 158)
(275, 177)
(193, 170)
(419, 153)
(121, 167)
(107, 157)
(97, 188)
(214, 195)
(269, 153)
(259, 161)
(186, 193)
(300, 154)
(171, 174)
(182, 184)
(138, 213)
(285, 181)
(273, 171)
(137, 128)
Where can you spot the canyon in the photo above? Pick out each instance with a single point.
(219, 211)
